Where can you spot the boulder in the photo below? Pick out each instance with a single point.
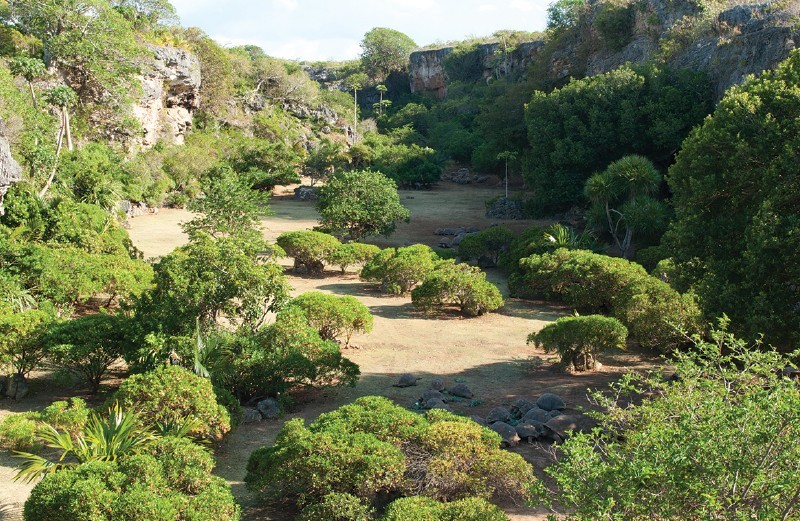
(431, 394)
(437, 384)
(550, 402)
(498, 414)
(479, 420)
(507, 432)
(306, 193)
(434, 403)
(529, 431)
(17, 387)
(558, 429)
(407, 380)
(460, 390)
(269, 408)
(251, 415)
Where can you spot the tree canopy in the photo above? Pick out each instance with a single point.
(384, 51)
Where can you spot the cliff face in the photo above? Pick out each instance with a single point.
(170, 96)
(741, 40)
(10, 171)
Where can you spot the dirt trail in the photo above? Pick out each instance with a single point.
(487, 353)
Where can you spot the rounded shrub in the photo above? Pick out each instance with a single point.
(173, 394)
(579, 339)
(457, 284)
(352, 254)
(338, 507)
(309, 249)
(400, 270)
(420, 508)
(486, 246)
(334, 316)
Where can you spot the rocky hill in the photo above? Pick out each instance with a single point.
(728, 43)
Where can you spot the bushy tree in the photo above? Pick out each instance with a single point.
(384, 51)
(421, 507)
(334, 316)
(486, 245)
(400, 270)
(735, 237)
(21, 345)
(309, 249)
(578, 339)
(352, 253)
(457, 284)
(717, 442)
(360, 203)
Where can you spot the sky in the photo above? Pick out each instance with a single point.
(332, 30)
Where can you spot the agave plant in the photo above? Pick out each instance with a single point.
(104, 438)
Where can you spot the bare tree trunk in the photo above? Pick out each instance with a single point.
(55, 163)
(66, 125)
(33, 96)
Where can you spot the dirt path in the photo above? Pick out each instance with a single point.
(487, 353)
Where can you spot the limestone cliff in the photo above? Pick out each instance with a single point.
(10, 171)
(740, 40)
(170, 96)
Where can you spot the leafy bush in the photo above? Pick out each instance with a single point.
(338, 507)
(309, 249)
(21, 345)
(334, 316)
(173, 394)
(459, 284)
(400, 270)
(420, 508)
(226, 399)
(351, 254)
(18, 432)
(488, 244)
(578, 339)
(373, 447)
(720, 441)
(615, 25)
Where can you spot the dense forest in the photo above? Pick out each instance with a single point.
(671, 189)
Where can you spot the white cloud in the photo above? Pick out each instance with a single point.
(487, 8)
(289, 5)
(522, 5)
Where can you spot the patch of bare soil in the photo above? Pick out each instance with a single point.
(488, 353)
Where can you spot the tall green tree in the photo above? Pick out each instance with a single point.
(356, 82)
(736, 193)
(384, 51)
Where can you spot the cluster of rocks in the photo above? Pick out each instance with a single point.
(542, 420)
(14, 386)
(266, 409)
(458, 235)
(505, 209)
(438, 395)
(463, 176)
(133, 209)
(306, 193)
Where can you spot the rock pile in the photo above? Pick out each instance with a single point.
(505, 209)
(463, 176)
(458, 235)
(306, 193)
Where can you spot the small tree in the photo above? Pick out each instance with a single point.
(334, 316)
(30, 69)
(352, 253)
(21, 342)
(309, 249)
(361, 203)
(488, 244)
(460, 284)
(381, 104)
(384, 51)
(400, 270)
(62, 97)
(356, 82)
(578, 339)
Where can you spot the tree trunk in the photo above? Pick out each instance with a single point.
(66, 125)
(33, 96)
(55, 163)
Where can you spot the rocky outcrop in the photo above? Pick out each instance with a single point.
(10, 171)
(739, 41)
(171, 94)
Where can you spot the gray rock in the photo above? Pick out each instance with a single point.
(529, 431)
(251, 415)
(536, 415)
(10, 171)
(407, 380)
(550, 401)
(507, 432)
(431, 394)
(306, 193)
(554, 413)
(17, 387)
(444, 231)
(457, 239)
(520, 407)
(498, 414)
(479, 420)
(269, 408)
(505, 209)
(437, 384)
(460, 390)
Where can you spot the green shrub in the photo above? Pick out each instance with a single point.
(186, 466)
(457, 284)
(338, 507)
(18, 432)
(486, 245)
(226, 399)
(400, 270)
(374, 415)
(173, 394)
(67, 416)
(579, 339)
(21, 333)
(420, 508)
(309, 249)
(334, 316)
(352, 254)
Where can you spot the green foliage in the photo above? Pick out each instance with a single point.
(20, 431)
(400, 270)
(360, 203)
(464, 62)
(408, 164)
(623, 201)
(173, 394)
(582, 127)
(720, 442)
(578, 339)
(338, 507)
(309, 249)
(420, 508)
(284, 356)
(86, 346)
(614, 22)
(457, 284)
(216, 70)
(384, 51)
(334, 316)
(372, 448)
(538, 240)
(21, 345)
(351, 254)
(735, 183)
(488, 244)
(564, 14)
(654, 313)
